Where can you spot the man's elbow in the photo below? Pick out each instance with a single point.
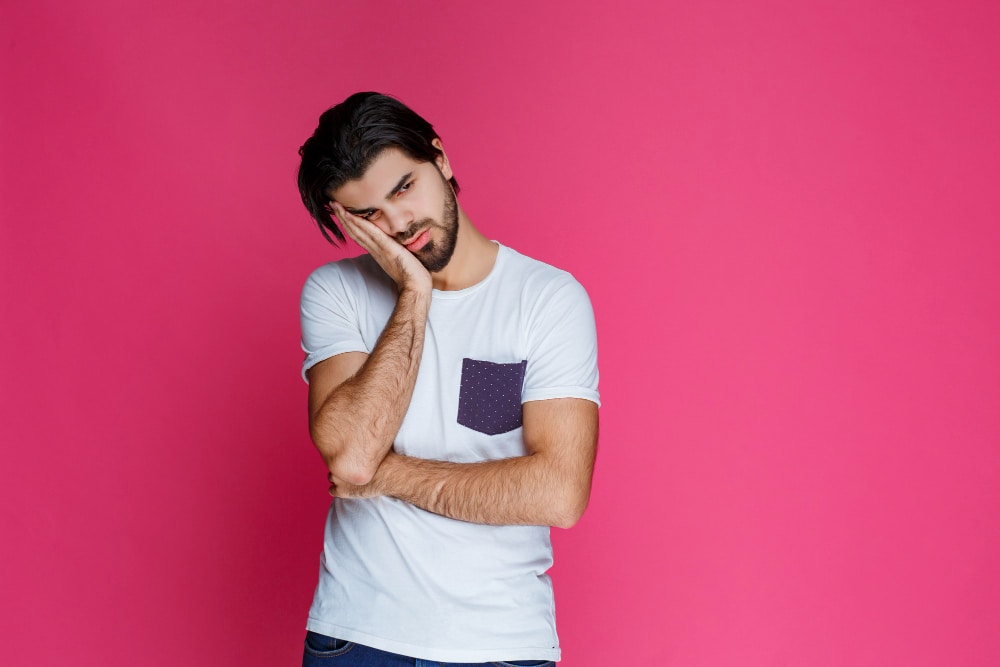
(342, 466)
(351, 473)
(569, 512)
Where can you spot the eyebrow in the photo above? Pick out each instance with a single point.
(395, 189)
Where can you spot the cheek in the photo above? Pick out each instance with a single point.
(432, 203)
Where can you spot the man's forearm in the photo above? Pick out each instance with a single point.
(357, 423)
(525, 490)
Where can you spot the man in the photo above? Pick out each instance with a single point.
(453, 396)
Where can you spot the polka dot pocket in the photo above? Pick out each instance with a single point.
(490, 397)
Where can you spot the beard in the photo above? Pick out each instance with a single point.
(435, 255)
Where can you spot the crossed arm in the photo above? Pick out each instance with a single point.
(357, 403)
(548, 486)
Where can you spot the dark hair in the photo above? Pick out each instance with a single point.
(348, 139)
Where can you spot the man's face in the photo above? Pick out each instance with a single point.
(410, 201)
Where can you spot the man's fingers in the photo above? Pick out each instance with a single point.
(350, 224)
(362, 231)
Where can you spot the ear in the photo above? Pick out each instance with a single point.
(442, 160)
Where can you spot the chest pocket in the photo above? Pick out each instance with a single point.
(490, 398)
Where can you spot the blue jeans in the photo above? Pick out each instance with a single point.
(323, 651)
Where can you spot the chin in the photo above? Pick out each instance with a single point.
(433, 263)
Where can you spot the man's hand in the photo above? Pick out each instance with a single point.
(340, 489)
(399, 263)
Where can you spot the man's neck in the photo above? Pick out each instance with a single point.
(472, 260)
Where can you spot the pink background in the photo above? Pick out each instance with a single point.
(787, 219)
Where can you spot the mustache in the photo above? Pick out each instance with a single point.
(413, 230)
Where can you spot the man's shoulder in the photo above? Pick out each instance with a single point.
(534, 269)
(358, 270)
(360, 265)
(536, 276)
(353, 280)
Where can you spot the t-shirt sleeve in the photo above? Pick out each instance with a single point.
(329, 316)
(562, 346)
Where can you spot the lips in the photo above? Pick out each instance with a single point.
(419, 241)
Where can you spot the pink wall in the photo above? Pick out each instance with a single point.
(787, 218)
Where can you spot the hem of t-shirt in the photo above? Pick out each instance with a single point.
(432, 653)
(562, 392)
(325, 353)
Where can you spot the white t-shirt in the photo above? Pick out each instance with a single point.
(401, 579)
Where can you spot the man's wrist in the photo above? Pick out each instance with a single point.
(386, 473)
(417, 295)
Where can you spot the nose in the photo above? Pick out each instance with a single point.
(398, 220)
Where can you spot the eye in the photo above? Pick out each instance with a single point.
(406, 187)
(372, 216)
